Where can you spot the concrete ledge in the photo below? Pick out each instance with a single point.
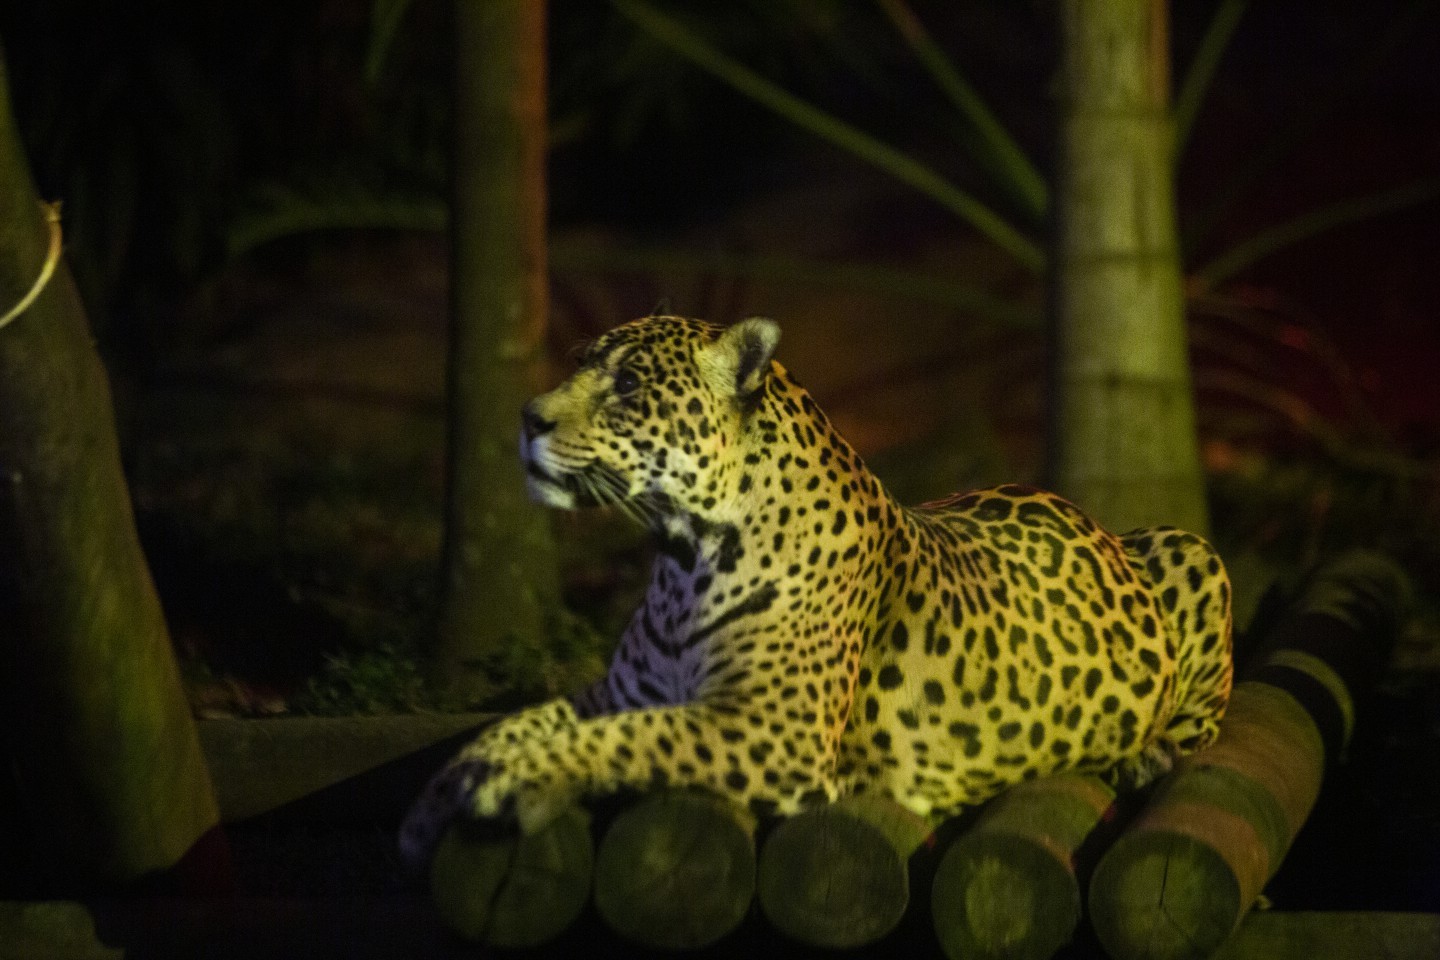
(382, 927)
(1281, 935)
(244, 927)
(335, 769)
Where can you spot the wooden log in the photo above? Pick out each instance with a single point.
(1178, 882)
(676, 871)
(509, 890)
(837, 876)
(1007, 887)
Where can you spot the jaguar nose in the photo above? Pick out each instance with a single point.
(532, 423)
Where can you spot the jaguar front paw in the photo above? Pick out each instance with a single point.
(445, 797)
(518, 791)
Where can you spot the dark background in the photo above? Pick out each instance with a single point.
(280, 400)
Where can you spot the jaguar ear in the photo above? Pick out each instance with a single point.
(738, 362)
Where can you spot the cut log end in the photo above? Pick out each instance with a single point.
(837, 876)
(513, 891)
(1003, 895)
(1163, 896)
(676, 871)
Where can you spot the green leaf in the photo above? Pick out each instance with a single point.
(859, 144)
(1308, 225)
(280, 210)
(1202, 68)
(385, 17)
(999, 152)
(1345, 81)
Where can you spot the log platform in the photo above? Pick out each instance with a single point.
(679, 871)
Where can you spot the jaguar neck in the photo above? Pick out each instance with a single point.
(796, 492)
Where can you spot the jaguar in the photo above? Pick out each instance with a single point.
(804, 637)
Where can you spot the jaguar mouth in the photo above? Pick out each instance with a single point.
(549, 490)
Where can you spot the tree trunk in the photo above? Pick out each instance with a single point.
(499, 576)
(107, 772)
(1122, 421)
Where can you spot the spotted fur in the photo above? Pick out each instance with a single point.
(805, 637)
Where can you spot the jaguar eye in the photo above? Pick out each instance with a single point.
(627, 381)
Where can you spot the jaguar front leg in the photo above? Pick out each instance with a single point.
(530, 766)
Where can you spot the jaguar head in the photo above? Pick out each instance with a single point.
(653, 417)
